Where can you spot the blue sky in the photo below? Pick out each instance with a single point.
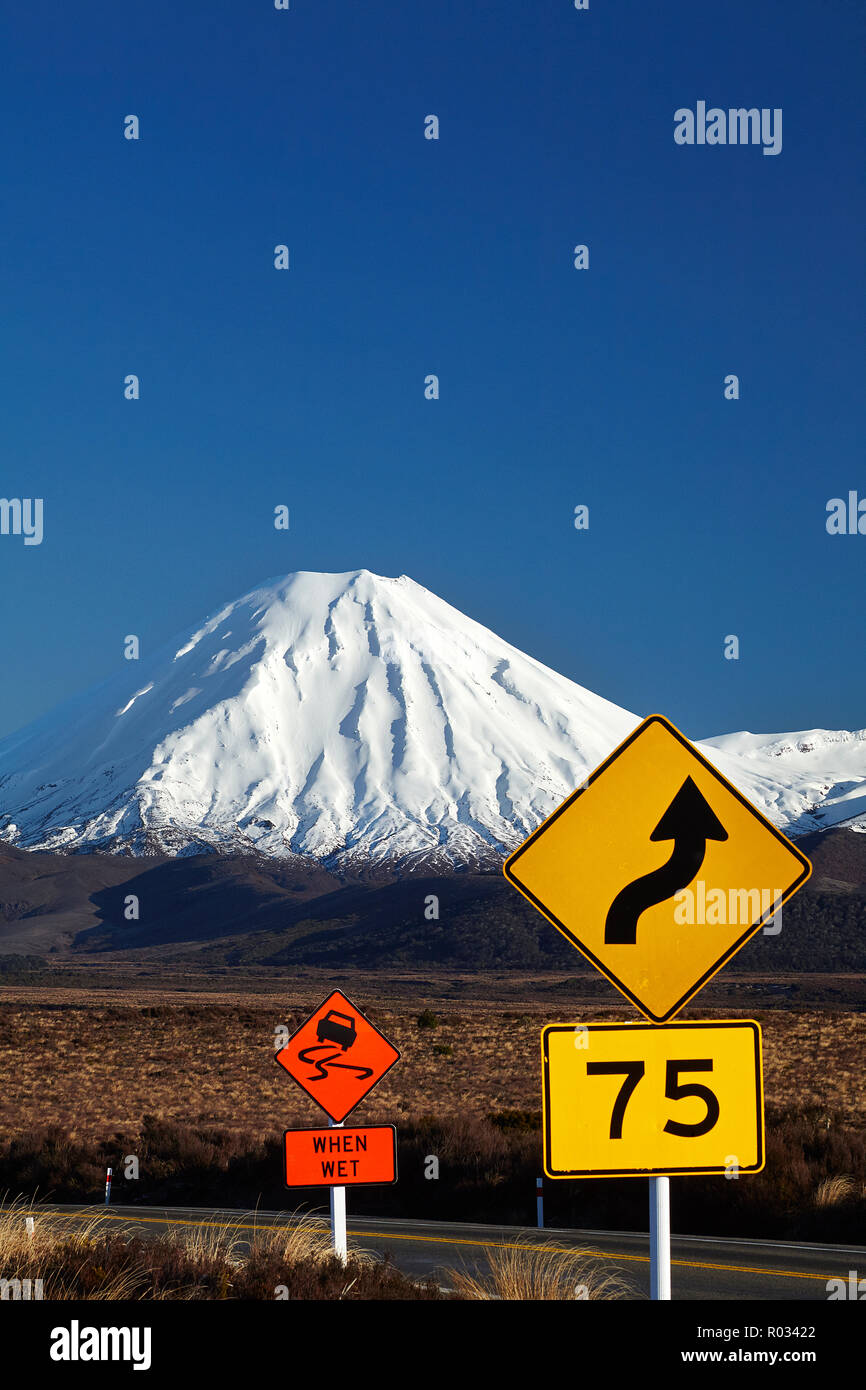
(408, 256)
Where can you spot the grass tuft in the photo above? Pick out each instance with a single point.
(541, 1273)
(835, 1190)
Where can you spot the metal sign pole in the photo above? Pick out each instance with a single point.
(660, 1238)
(338, 1214)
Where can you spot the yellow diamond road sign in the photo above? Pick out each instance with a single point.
(630, 1099)
(657, 869)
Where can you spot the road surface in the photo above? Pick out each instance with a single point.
(703, 1267)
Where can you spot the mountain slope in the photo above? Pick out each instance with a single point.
(361, 721)
(805, 781)
(340, 716)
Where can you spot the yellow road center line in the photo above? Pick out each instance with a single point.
(448, 1240)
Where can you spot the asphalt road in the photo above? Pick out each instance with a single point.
(702, 1267)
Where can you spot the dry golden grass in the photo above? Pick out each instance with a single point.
(26, 1255)
(90, 1257)
(227, 1242)
(834, 1190)
(94, 1064)
(301, 1237)
(541, 1273)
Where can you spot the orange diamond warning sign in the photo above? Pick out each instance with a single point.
(337, 1056)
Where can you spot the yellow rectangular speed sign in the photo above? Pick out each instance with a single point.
(633, 1099)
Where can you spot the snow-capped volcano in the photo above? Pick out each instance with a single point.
(355, 719)
(321, 714)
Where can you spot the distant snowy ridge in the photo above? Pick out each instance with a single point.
(806, 781)
(360, 720)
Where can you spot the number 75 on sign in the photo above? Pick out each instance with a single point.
(633, 1099)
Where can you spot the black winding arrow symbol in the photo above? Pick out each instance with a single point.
(322, 1063)
(689, 821)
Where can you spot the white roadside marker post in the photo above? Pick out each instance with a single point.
(539, 1202)
(338, 1214)
(107, 1186)
(660, 1238)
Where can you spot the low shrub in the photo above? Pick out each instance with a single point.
(813, 1186)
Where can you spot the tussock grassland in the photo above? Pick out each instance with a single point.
(93, 1064)
(98, 1260)
(187, 1083)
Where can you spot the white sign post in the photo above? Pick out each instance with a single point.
(338, 1214)
(660, 1238)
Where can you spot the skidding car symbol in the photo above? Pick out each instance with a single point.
(337, 1028)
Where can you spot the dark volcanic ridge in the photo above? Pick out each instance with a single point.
(251, 910)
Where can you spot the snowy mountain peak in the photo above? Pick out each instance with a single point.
(359, 719)
(343, 715)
